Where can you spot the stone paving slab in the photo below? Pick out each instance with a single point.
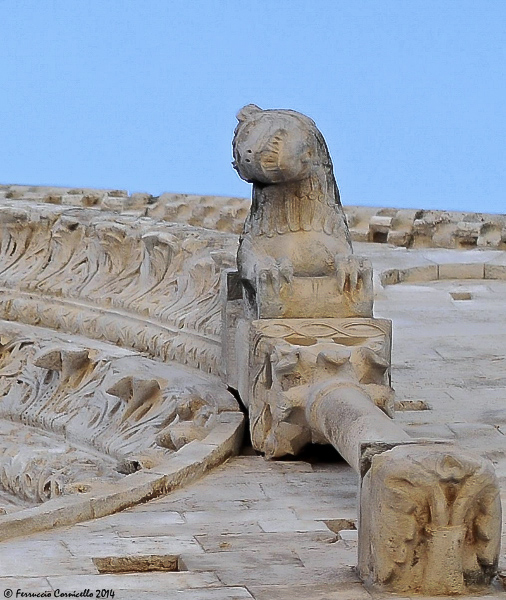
(26, 584)
(294, 541)
(298, 525)
(325, 512)
(319, 591)
(113, 545)
(140, 581)
(179, 585)
(245, 514)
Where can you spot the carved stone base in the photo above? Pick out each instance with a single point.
(430, 521)
(319, 297)
(281, 363)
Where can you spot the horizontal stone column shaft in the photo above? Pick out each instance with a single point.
(346, 417)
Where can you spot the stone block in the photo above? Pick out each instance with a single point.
(290, 357)
(430, 521)
(420, 274)
(461, 271)
(494, 271)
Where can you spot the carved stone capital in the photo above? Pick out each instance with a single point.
(282, 362)
(430, 521)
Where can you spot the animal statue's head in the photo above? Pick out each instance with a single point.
(277, 146)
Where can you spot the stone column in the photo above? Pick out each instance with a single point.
(348, 419)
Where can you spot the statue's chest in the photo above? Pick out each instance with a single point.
(311, 253)
(289, 213)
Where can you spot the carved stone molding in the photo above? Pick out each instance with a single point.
(134, 282)
(410, 228)
(73, 411)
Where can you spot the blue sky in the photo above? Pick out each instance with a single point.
(142, 95)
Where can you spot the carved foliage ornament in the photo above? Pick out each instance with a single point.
(436, 525)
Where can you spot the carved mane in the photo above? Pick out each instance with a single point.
(311, 203)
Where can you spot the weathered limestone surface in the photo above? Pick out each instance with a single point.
(295, 260)
(293, 363)
(306, 380)
(141, 284)
(251, 527)
(430, 512)
(436, 338)
(409, 228)
(75, 410)
(93, 408)
(439, 514)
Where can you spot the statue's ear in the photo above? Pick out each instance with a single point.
(247, 112)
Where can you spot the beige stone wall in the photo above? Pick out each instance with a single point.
(410, 228)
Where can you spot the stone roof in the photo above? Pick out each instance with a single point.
(250, 529)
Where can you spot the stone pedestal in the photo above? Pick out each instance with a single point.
(284, 367)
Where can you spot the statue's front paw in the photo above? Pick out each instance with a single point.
(285, 268)
(271, 274)
(354, 274)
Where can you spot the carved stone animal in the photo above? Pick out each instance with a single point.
(296, 226)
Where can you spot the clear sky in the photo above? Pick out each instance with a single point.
(142, 95)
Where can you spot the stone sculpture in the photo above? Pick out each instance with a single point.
(295, 247)
(434, 528)
(295, 259)
(307, 357)
(91, 425)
